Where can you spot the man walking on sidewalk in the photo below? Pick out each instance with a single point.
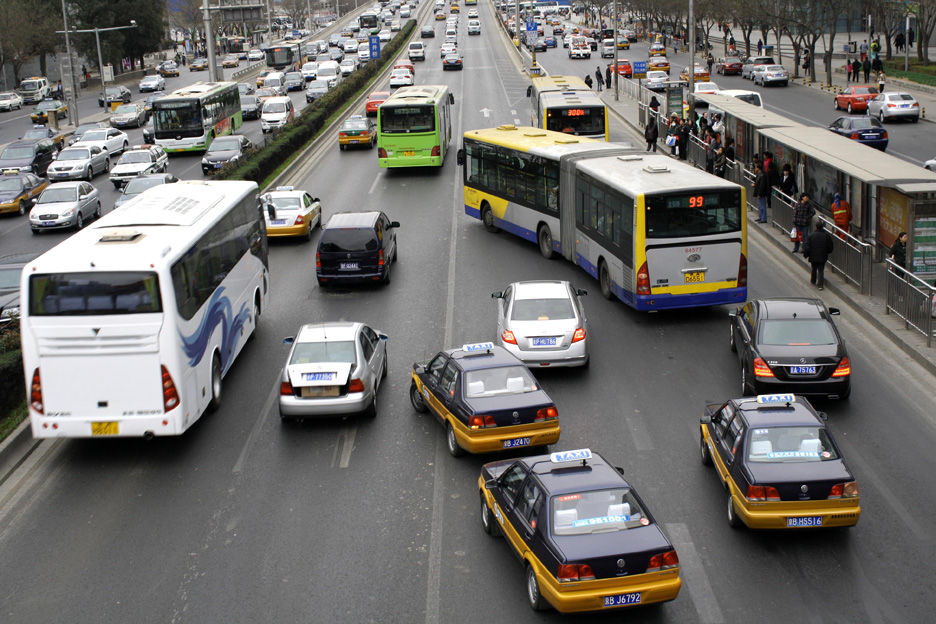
(866, 68)
(817, 249)
(802, 218)
(651, 133)
(599, 79)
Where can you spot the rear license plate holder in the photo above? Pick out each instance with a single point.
(349, 266)
(543, 342)
(516, 442)
(802, 370)
(804, 521)
(105, 428)
(695, 277)
(315, 392)
(409, 153)
(620, 600)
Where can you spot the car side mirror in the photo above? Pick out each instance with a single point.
(823, 416)
(289, 340)
(271, 211)
(451, 98)
(460, 157)
(394, 224)
(581, 292)
(733, 313)
(315, 199)
(419, 369)
(620, 470)
(83, 196)
(834, 311)
(497, 295)
(490, 484)
(383, 336)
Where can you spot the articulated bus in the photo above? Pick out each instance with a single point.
(414, 127)
(284, 56)
(369, 21)
(655, 232)
(129, 326)
(190, 118)
(566, 104)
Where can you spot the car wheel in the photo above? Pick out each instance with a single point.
(97, 212)
(116, 186)
(452, 442)
(745, 391)
(341, 147)
(371, 411)
(534, 598)
(881, 117)
(22, 207)
(416, 399)
(34, 230)
(849, 108)
(126, 146)
(704, 451)
(487, 217)
(79, 222)
(733, 521)
(731, 339)
(488, 522)
(604, 279)
(544, 236)
(107, 165)
(215, 402)
(386, 366)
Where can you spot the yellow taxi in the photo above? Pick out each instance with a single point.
(440, 16)
(657, 49)
(262, 76)
(623, 43)
(231, 60)
(19, 190)
(291, 212)
(454, 8)
(659, 63)
(49, 106)
(701, 74)
(168, 69)
(40, 131)
(357, 131)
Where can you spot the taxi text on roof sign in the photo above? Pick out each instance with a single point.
(478, 346)
(567, 456)
(284, 188)
(776, 398)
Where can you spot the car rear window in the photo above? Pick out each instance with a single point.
(501, 381)
(315, 352)
(542, 310)
(350, 239)
(598, 511)
(797, 333)
(790, 445)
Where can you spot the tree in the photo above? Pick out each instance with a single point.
(117, 45)
(16, 41)
(297, 10)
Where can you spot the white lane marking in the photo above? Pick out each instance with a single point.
(513, 112)
(255, 431)
(374, 184)
(693, 574)
(344, 446)
(638, 430)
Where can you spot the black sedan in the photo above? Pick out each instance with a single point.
(250, 106)
(586, 539)
(427, 33)
(790, 345)
(115, 94)
(452, 61)
(865, 130)
(224, 150)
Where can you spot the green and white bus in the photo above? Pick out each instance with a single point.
(370, 22)
(191, 117)
(414, 127)
(566, 104)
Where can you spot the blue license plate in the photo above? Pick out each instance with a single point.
(516, 442)
(621, 600)
(63, 175)
(354, 140)
(218, 165)
(349, 266)
(48, 223)
(318, 376)
(802, 370)
(278, 222)
(808, 521)
(544, 342)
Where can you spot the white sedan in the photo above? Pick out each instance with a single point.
(110, 139)
(255, 55)
(401, 78)
(385, 35)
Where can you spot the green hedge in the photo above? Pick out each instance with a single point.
(297, 134)
(923, 74)
(12, 384)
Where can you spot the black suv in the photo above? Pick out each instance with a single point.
(356, 247)
(32, 155)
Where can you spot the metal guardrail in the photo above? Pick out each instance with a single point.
(852, 257)
(243, 72)
(911, 299)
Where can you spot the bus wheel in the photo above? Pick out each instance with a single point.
(256, 312)
(544, 236)
(487, 217)
(604, 278)
(215, 402)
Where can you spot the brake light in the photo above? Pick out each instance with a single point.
(35, 393)
(381, 152)
(482, 422)
(364, 133)
(318, 260)
(170, 395)
(663, 561)
(843, 369)
(571, 572)
(342, 134)
(756, 493)
(579, 334)
(884, 136)
(356, 385)
(761, 369)
(299, 220)
(836, 491)
(547, 413)
(915, 105)
(380, 258)
(854, 136)
(286, 388)
(742, 271)
(436, 150)
(772, 493)
(643, 280)
(508, 336)
(891, 106)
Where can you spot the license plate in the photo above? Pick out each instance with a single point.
(409, 153)
(354, 140)
(48, 223)
(695, 277)
(802, 370)
(319, 391)
(544, 342)
(349, 266)
(63, 175)
(622, 599)
(105, 428)
(278, 222)
(218, 165)
(318, 376)
(904, 106)
(516, 442)
(808, 521)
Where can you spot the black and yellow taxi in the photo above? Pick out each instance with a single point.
(357, 131)
(168, 69)
(40, 131)
(586, 539)
(453, 8)
(486, 398)
(19, 191)
(47, 107)
(779, 463)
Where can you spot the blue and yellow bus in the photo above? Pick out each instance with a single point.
(655, 232)
(567, 104)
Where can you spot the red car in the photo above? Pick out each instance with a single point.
(855, 98)
(624, 68)
(374, 100)
(728, 65)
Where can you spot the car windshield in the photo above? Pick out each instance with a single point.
(74, 154)
(10, 278)
(36, 134)
(17, 153)
(542, 310)
(294, 76)
(317, 84)
(10, 184)
(504, 380)
(94, 135)
(799, 333)
(136, 157)
(6, 96)
(248, 101)
(318, 352)
(598, 511)
(138, 185)
(55, 195)
(48, 106)
(224, 144)
(125, 109)
(274, 107)
(790, 445)
(113, 91)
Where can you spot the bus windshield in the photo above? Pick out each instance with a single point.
(407, 119)
(81, 294)
(174, 119)
(576, 120)
(701, 213)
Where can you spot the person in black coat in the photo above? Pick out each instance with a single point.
(608, 77)
(683, 140)
(898, 251)
(818, 247)
(651, 132)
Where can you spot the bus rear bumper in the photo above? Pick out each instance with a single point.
(104, 427)
(410, 161)
(723, 296)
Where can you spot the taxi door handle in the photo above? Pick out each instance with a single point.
(527, 536)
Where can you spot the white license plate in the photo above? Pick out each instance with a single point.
(516, 442)
(318, 376)
(349, 266)
(802, 370)
(620, 600)
(808, 521)
(544, 342)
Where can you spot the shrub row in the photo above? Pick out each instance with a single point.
(12, 385)
(923, 74)
(296, 134)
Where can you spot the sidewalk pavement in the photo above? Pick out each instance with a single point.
(872, 308)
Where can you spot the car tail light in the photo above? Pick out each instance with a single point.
(364, 133)
(572, 572)
(318, 260)
(482, 422)
(915, 105)
(342, 134)
(854, 136)
(756, 493)
(891, 106)
(381, 152)
(299, 220)
(508, 336)
(579, 334)
(286, 388)
(772, 493)
(884, 136)
(663, 561)
(843, 369)
(380, 258)
(356, 385)
(844, 490)
(547, 413)
(761, 369)
(436, 150)
(35, 393)
(170, 395)
(742, 271)
(643, 280)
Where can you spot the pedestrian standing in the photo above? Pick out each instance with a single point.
(651, 132)
(729, 149)
(881, 79)
(654, 104)
(848, 71)
(803, 214)
(672, 129)
(817, 249)
(787, 181)
(683, 139)
(910, 38)
(710, 62)
(599, 79)
(898, 251)
(760, 47)
(761, 192)
(856, 71)
(841, 214)
(720, 161)
(866, 68)
(608, 76)
(863, 48)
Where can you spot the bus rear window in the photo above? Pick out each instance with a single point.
(406, 119)
(693, 213)
(86, 294)
(579, 121)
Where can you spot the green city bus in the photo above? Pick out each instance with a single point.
(414, 127)
(189, 118)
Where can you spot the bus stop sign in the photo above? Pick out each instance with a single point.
(374, 47)
(640, 69)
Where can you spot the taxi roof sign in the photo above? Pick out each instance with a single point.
(776, 398)
(284, 188)
(478, 346)
(568, 456)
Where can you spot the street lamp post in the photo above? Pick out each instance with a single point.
(73, 108)
(97, 37)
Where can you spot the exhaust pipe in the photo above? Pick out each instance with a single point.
(149, 435)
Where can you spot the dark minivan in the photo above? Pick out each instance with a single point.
(356, 247)
(32, 155)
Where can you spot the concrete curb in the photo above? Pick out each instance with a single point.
(15, 449)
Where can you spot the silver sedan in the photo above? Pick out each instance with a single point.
(65, 205)
(543, 323)
(78, 162)
(893, 105)
(333, 369)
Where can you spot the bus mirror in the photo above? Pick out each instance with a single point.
(460, 157)
(529, 90)
(451, 98)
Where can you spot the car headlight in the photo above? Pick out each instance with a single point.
(69, 212)
(204, 161)
(10, 313)
(26, 168)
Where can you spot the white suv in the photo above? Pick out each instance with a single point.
(417, 51)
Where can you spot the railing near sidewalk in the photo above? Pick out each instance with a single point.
(852, 257)
(911, 299)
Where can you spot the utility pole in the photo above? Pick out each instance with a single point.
(210, 45)
(690, 98)
(71, 102)
(615, 36)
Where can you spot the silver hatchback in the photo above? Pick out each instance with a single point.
(543, 323)
(333, 369)
(65, 205)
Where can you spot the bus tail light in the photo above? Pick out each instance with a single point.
(508, 336)
(381, 152)
(742, 271)
(356, 385)
(843, 369)
(547, 413)
(170, 395)
(643, 280)
(286, 388)
(35, 393)
(761, 369)
(572, 572)
(436, 150)
(318, 260)
(380, 258)
(482, 422)
(663, 561)
(579, 334)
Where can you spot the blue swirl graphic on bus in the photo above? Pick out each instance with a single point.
(219, 312)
